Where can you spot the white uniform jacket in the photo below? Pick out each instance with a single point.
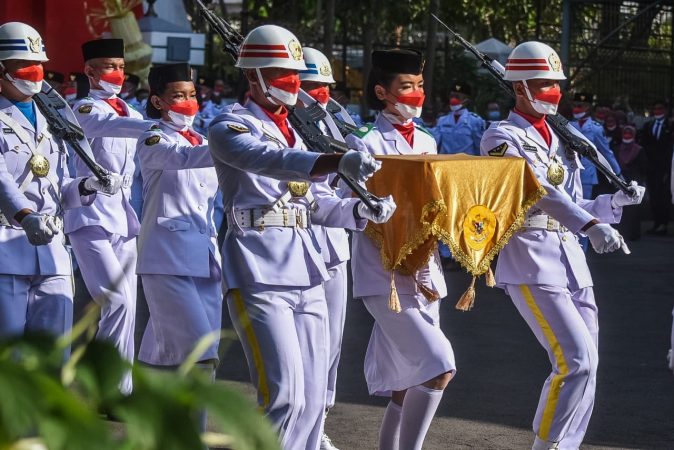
(113, 142)
(48, 195)
(254, 167)
(369, 276)
(539, 256)
(177, 235)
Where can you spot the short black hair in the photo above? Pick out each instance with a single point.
(378, 76)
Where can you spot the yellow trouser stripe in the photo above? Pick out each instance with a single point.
(244, 319)
(557, 380)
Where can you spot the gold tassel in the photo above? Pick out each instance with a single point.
(468, 298)
(489, 278)
(430, 294)
(393, 300)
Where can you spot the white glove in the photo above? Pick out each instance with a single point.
(40, 228)
(358, 165)
(622, 199)
(386, 209)
(94, 184)
(604, 238)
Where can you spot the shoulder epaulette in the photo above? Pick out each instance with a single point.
(363, 130)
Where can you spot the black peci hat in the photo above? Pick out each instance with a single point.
(103, 48)
(460, 87)
(50, 75)
(159, 77)
(168, 73)
(585, 97)
(131, 78)
(398, 60)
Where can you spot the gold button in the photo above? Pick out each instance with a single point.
(564, 238)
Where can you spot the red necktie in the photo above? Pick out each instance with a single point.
(190, 136)
(407, 131)
(281, 122)
(539, 125)
(117, 105)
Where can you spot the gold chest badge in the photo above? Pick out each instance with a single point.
(39, 165)
(298, 188)
(555, 173)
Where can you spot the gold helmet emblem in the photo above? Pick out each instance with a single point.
(295, 50)
(35, 44)
(325, 70)
(555, 63)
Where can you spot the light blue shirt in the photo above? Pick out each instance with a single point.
(462, 136)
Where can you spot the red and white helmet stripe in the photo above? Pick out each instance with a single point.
(531, 60)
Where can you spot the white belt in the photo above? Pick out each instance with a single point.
(544, 222)
(261, 218)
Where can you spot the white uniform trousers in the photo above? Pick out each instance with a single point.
(335, 296)
(182, 311)
(108, 266)
(565, 324)
(284, 332)
(408, 348)
(35, 303)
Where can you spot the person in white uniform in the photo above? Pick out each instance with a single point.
(334, 242)
(543, 267)
(36, 292)
(273, 269)
(408, 358)
(103, 236)
(178, 258)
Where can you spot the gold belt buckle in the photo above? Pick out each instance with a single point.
(551, 225)
(298, 217)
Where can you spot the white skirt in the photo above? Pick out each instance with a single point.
(408, 348)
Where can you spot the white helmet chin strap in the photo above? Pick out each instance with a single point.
(526, 89)
(263, 85)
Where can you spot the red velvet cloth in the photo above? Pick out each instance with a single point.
(539, 125)
(117, 105)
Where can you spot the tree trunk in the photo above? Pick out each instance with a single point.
(329, 28)
(431, 44)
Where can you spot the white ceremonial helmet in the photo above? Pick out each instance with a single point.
(270, 46)
(531, 60)
(318, 67)
(21, 41)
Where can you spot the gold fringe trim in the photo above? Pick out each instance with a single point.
(467, 300)
(393, 299)
(489, 278)
(430, 294)
(466, 261)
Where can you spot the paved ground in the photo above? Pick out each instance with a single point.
(491, 402)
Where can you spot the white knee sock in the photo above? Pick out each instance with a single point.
(419, 408)
(389, 432)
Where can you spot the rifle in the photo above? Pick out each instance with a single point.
(49, 102)
(557, 122)
(303, 120)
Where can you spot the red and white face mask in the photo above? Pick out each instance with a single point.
(282, 90)
(410, 105)
(111, 82)
(545, 102)
(182, 113)
(320, 94)
(455, 103)
(27, 80)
